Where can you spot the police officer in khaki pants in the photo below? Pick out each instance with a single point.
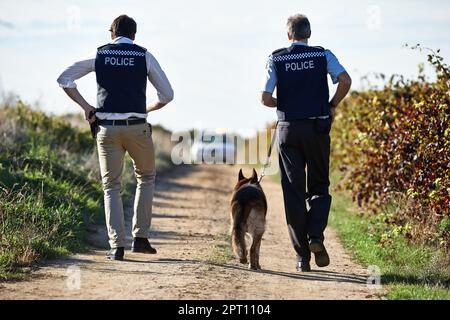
(122, 69)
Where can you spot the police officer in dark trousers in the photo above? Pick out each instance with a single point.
(122, 69)
(305, 114)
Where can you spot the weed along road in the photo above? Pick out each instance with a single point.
(194, 261)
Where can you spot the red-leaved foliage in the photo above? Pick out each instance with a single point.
(396, 141)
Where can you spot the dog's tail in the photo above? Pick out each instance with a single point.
(238, 232)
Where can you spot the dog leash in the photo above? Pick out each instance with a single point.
(266, 164)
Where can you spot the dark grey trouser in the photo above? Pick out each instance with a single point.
(305, 144)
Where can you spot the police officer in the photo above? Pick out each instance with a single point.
(122, 69)
(305, 113)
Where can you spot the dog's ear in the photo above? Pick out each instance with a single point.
(240, 176)
(254, 176)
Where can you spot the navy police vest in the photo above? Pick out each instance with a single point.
(121, 72)
(302, 86)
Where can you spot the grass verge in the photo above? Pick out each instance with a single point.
(221, 250)
(409, 271)
(50, 188)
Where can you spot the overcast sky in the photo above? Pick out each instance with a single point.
(213, 52)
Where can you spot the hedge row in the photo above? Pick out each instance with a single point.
(393, 145)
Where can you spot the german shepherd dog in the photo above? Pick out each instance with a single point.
(248, 215)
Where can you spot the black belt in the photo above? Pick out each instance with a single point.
(127, 122)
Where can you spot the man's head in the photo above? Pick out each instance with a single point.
(123, 26)
(298, 27)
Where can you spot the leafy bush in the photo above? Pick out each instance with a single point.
(393, 146)
(49, 187)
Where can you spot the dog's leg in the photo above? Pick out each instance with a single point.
(238, 233)
(254, 252)
(238, 244)
(261, 230)
(239, 247)
(258, 247)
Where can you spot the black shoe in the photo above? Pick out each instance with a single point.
(142, 245)
(320, 253)
(303, 266)
(115, 254)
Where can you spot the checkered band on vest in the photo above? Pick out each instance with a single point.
(302, 85)
(122, 52)
(305, 55)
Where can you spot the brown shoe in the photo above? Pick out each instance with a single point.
(320, 253)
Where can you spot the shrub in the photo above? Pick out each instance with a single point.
(393, 145)
(47, 194)
(50, 185)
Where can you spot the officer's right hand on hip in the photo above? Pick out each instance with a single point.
(89, 114)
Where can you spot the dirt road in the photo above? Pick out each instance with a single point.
(191, 216)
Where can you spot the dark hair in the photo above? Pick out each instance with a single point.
(299, 27)
(123, 26)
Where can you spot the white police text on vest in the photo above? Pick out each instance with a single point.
(299, 65)
(122, 61)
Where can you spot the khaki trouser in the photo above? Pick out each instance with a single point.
(112, 143)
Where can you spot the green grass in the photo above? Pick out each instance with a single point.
(221, 251)
(42, 217)
(50, 188)
(409, 271)
(47, 195)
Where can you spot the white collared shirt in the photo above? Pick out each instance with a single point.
(155, 75)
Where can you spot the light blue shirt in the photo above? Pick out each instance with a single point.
(334, 69)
